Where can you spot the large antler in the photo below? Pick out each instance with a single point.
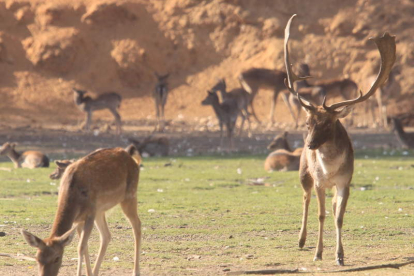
(386, 47)
(292, 77)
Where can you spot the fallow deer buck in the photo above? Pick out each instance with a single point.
(241, 96)
(327, 160)
(89, 187)
(160, 96)
(226, 112)
(282, 158)
(406, 139)
(256, 78)
(109, 100)
(27, 159)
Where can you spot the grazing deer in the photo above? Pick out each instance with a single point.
(382, 97)
(255, 78)
(227, 112)
(406, 139)
(327, 160)
(110, 100)
(152, 146)
(60, 169)
(89, 187)
(282, 158)
(241, 96)
(27, 159)
(160, 95)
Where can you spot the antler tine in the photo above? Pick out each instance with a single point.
(292, 77)
(386, 47)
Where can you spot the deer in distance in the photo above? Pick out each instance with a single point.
(282, 158)
(226, 112)
(382, 97)
(256, 78)
(160, 96)
(406, 139)
(109, 100)
(327, 160)
(90, 187)
(27, 159)
(60, 169)
(241, 96)
(152, 146)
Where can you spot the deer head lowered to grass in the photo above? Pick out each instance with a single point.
(327, 160)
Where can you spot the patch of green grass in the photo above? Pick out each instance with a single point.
(205, 217)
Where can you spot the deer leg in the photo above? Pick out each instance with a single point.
(129, 207)
(242, 123)
(307, 184)
(286, 100)
(117, 121)
(83, 244)
(274, 101)
(320, 193)
(105, 235)
(88, 120)
(380, 109)
(86, 253)
(157, 112)
(248, 121)
(253, 112)
(342, 195)
(221, 133)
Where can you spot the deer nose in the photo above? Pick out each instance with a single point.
(312, 146)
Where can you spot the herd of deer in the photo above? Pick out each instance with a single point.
(92, 185)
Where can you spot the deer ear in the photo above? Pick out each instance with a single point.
(32, 240)
(66, 238)
(344, 111)
(285, 134)
(61, 164)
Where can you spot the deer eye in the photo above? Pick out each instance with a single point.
(56, 260)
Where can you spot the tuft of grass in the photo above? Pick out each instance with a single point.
(200, 216)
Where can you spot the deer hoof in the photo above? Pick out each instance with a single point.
(302, 243)
(317, 258)
(340, 261)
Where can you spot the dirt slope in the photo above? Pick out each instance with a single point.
(48, 47)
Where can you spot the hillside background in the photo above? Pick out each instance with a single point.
(48, 47)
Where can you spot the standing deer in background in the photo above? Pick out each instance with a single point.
(241, 96)
(109, 100)
(27, 159)
(327, 160)
(255, 78)
(89, 187)
(226, 112)
(385, 92)
(406, 139)
(282, 158)
(160, 95)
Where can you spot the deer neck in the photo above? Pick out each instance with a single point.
(14, 156)
(67, 207)
(334, 150)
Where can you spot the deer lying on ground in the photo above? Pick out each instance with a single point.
(406, 139)
(89, 187)
(152, 146)
(282, 158)
(255, 78)
(110, 100)
(241, 96)
(227, 112)
(327, 160)
(160, 95)
(27, 159)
